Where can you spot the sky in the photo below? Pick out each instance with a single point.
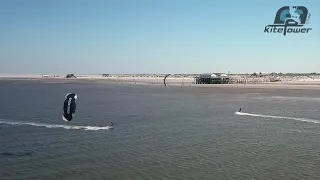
(153, 36)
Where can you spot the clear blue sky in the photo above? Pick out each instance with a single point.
(154, 36)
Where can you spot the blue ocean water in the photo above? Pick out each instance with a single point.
(159, 133)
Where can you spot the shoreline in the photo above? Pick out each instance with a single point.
(174, 82)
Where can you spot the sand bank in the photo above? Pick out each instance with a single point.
(262, 86)
(302, 83)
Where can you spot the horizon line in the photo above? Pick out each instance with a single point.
(57, 74)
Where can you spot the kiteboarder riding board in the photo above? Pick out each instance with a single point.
(69, 107)
(111, 125)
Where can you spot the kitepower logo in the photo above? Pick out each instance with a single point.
(69, 102)
(290, 19)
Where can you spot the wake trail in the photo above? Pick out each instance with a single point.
(279, 117)
(87, 128)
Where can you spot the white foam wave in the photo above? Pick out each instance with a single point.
(278, 117)
(88, 128)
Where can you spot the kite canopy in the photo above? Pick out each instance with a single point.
(69, 107)
(164, 80)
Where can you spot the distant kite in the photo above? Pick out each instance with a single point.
(164, 80)
(69, 107)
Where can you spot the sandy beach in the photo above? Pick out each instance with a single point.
(296, 82)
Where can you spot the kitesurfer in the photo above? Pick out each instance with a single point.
(240, 110)
(111, 124)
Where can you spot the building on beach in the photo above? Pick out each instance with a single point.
(209, 78)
